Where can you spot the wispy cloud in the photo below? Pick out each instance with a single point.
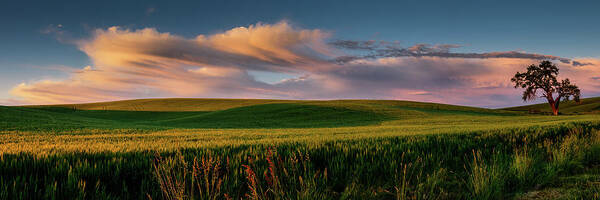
(59, 32)
(147, 63)
(576, 63)
(383, 49)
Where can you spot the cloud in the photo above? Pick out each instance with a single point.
(53, 29)
(465, 81)
(146, 63)
(10, 102)
(385, 49)
(355, 45)
(575, 63)
(59, 32)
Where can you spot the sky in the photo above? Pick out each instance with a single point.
(455, 52)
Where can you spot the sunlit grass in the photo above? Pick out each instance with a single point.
(365, 150)
(116, 140)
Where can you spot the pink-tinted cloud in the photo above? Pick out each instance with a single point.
(147, 63)
(465, 81)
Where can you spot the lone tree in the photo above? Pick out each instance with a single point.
(542, 78)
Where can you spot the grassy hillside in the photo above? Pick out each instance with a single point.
(239, 124)
(21, 118)
(288, 115)
(587, 105)
(226, 113)
(170, 104)
(277, 149)
(195, 104)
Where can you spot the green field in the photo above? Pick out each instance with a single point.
(586, 106)
(284, 149)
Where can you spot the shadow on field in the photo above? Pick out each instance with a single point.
(284, 115)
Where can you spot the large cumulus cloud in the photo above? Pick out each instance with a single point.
(147, 63)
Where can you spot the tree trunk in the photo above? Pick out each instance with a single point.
(556, 103)
(553, 105)
(554, 111)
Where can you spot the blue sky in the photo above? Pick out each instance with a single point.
(39, 36)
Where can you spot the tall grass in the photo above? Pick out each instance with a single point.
(482, 165)
(485, 180)
(178, 180)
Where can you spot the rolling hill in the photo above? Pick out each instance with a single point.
(225, 113)
(119, 147)
(587, 105)
(169, 104)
